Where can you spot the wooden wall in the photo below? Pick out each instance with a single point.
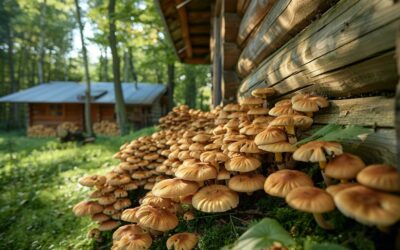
(344, 50)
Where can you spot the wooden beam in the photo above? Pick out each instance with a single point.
(183, 20)
(242, 6)
(254, 14)
(330, 48)
(203, 29)
(284, 21)
(231, 23)
(199, 16)
(231, 55)
(230, 85)
(397, 113)
(200, 40)
(201, 50)
(196, 61)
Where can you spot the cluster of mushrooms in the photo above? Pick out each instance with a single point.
(204, 160)
(106, 128)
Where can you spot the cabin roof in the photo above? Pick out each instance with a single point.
(188, 25)
(73, 92)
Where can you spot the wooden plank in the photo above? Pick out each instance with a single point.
(230, 85)
(199, 17)
(183, 20)
(379, 147)
(254, 14)
(346, 35)
(230, 6)
(231, 55)
(397, 112)
(369, 111)
(201, 50)
(203, 29)
(231, 23)
(199, 40)
(285, 20)
(242, 6)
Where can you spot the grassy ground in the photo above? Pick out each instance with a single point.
(38, 187)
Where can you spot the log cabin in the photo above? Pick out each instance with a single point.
(344, 50)
(51, 104)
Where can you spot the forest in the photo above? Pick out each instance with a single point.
(39, 43)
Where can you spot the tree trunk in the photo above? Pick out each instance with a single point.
(88, 118)
(132, 68)
(100, 68)
(41, 41)
(171, 85)
(105, 76)
(14, 84)
(119, 97)
(126, 67)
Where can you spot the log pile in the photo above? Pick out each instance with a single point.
(41, 131)
(106, 128)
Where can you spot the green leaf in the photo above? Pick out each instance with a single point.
(263, 235)
(338, 133)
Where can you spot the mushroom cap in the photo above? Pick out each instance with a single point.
(264, 120)
(122, 203)
(263, 92)
(251, 101)
(197, 172)
(202, 138)
(286, 109)
(134, 241)
(235, 146)
(196, 147)
(283, 102)
(300, 121)
(250, 147)
(258, 111)
(109, 210)
(182, 241)
(212, 146)
(90, 181)
(100, 217)
(141, 174)
(283, 181)
(164, 203)
(151, 156)
(308, 103)
(223, 174)
(270, 135)
(310, 199)
(215, 198)
(127, 229)
(369, 206)
(219, 130)
(156, 218)
(84, 208)
(335, 189)
(188, 216)
(118, 179)
(246, 182)
(173, 188)
(231, 107)
(345, 166)
(108, 225)
(252, 129)
(380, 176)
(316, 151)
(213, 157)
(242, 164)
(279, 147)
(128, 215)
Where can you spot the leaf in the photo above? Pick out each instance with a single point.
(263, 235)
(338, 133)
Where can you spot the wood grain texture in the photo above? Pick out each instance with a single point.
(242, 6)
(254, 14)
(397, 112)
(231, 24)
(231, 55)
(369, 111)
(348, 34)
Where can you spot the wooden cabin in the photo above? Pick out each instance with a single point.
(53, 103)
(344, 50)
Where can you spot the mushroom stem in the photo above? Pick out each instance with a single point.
(249, 193)
(322, 165)
(309, 114)
(279, 160)
(344, 181)
(291, 134)
(322, 222)
(327, 180)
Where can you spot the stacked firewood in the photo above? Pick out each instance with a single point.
(106, 128)
(41, 131)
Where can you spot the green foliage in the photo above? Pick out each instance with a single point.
(335, 132)
(38, 187)
(263, 235)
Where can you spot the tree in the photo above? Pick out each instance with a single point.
(119, 97)
(88, 120)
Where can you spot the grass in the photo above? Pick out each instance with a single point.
(38, 187)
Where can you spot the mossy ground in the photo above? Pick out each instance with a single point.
(38, 187)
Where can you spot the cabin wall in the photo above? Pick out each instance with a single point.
(344, 50)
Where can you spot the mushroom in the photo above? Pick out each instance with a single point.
(85, 208)
(335, 189)
(156, 218)
(108, 225)
(285, 109)
(309, 103)
(263, 93)
(380, 176)
(122, 203)
(182, 241)
(95, 234)
(283, 181)
(128, 215)
(242, 164)
(344, 167)
(127, 229)
(188, 216)
(312, 200)
(369, 206)
(90, 181)
(100, 217)
(134, 241)
(215, 198)
(173, 188)
(316, 151)
(247, 183)
(290, 122)
(197, 172)
(278, 148)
